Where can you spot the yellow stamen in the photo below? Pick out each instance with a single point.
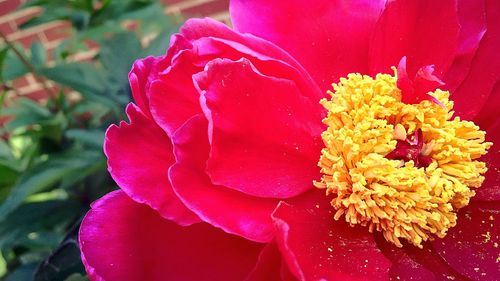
(366, 119)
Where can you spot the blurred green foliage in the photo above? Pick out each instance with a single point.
(51, 161)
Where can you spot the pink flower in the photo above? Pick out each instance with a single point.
(221, 148)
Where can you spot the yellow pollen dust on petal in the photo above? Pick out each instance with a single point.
(365, 120)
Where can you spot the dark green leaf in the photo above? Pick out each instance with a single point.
(64, 261)
(91, 137)
(42, 176)
(38, 54)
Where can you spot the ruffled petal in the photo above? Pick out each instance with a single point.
(473, 92)
(425, 31)
(329, 38)
(143, 72)
(265, 136)
(472, 246)
(173, 97)
(230, 210)
(316, 247)
(139, 155)
(123, 240)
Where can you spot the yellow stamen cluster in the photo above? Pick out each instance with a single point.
(365, 120)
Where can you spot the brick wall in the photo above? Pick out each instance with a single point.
(53, 33)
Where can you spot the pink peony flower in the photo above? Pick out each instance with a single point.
(217, 162)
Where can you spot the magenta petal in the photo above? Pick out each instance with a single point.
(209, 35)
(488, 120)
(143, 72)
(472, 247)
(268, 266)
(330, 38)
(412, 263)
(265, 136)
(173, 97)
(474, 91)
(233, 211)
(316, 247)
(425, 31)
(123, 240)
(472, 19)
(139, 155)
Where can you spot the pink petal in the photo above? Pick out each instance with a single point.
(123, 240)
(472, 19)
(268, 265)
(415, 89)
(330, 38)
(233, 211)
(173, 98)
(316, 247)
(265, 136)
(474, 91)
(412, 263)
(139, 155)
(425, 31)
(143, 72)
(490, 189)
(472, 247)
(212, 37)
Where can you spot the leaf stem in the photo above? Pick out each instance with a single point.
(29, 66)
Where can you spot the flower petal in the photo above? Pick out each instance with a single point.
(173, 97)
(488, 120)
(472, 19)
(316, 247)
(265, 136)
(230, 210)
(329, 38)
(412, 263)
(425, 31)
(474, 91)
(472, 247)
(123, 240)
(143, 72)
(139, 155)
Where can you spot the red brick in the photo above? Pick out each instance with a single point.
(26, 15)
(58, 32)
(8, 6)
(207, 8)
(25, 38)
(20, 82)
(6, 28)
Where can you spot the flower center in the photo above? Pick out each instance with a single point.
(400, 168)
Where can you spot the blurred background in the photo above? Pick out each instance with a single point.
(63, 81)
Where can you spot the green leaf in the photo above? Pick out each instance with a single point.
(26, 112)
(42, 176)
(76, 277)
(23, 272)
(38, 55)
(64, 261)
(92, 82)
(13, 67)
(118, 54)
(26, 225)
(91, 137)
(3, 55)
